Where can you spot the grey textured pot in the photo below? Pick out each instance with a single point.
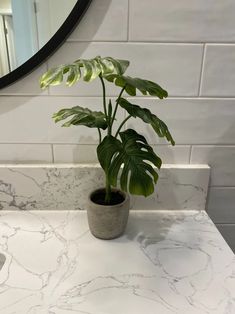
(108, 221)
(2, 260)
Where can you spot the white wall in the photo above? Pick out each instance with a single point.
(50, 17)
(5, 5)
(24, 25)
(185, 45)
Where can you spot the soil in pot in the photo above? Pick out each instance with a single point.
(99, 198)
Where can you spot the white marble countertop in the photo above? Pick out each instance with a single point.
(167, 262)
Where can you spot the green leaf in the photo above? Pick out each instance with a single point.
(148, 117)
(120, 66)
(131, 84)
(81, 116)
(91, 69)
(74, 75)
(133, 152)
(52, 77)
(88, 69)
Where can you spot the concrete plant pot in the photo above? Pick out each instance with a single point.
(108, 221)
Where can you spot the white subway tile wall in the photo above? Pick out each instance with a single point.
(228, 232)
(75, 153)
(186, 46)
(85, 153)
(192, 121)
(161, 62)
(221, 159)
(25, 153)
(28, 85)
(218, 78)
(109, 22)
(29, 120)
(221, 204)
(182, 20)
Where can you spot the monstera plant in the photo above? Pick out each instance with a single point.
(124, 154)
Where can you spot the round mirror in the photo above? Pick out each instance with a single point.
(30, 30)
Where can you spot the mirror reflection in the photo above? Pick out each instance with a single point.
(26, 26)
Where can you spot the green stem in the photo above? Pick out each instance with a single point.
(117, 103)
(107, 191)
(109, 118)
(104, 96)
(100, 139)
(121, 125)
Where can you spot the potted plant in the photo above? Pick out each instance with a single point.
(125, 155)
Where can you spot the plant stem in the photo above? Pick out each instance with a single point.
(121, 125)
(104, 96)
(117, 103)
(109, 118)
(100, 139)
(107, 191)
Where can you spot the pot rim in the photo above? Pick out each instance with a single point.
(126, 197)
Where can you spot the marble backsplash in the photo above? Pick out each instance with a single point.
(67, 186)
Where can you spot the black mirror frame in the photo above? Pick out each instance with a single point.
(55, 42)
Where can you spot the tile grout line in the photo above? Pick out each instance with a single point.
(225, 223)
(52, 153)
(87, 144)
(180, 97)
(202, 70)
(128, 20)
(133, 42)
(47, 68)
(190, 154)
(170, 42)
(222, 187)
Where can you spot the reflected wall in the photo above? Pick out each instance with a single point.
(26, 26)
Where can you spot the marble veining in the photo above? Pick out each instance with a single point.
(50, 187)
(167, 262)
